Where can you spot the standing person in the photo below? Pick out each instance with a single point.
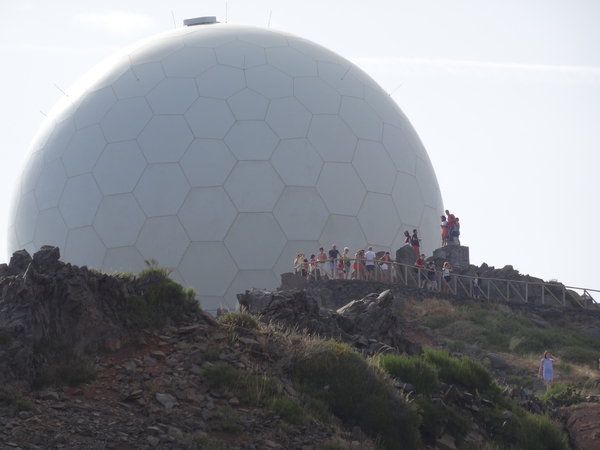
(444, 226)
(321, 258)
(298, 263)
(476, 285)
(314, 271)
(415, 242)
(446, 269)
(346, 260)
(370, 263)
(334, 253)
(384, 266)
(406, 238)
(420, 268)
(431, 276)
(451, 223)
(456, 232)
(546, 372)
(358, 267)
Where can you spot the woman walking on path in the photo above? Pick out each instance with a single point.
(546, 372)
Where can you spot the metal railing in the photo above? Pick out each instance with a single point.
(489, 288)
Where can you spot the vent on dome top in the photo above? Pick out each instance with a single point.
(200, 21)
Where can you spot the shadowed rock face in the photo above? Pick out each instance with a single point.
(43, 298)
(368, 324)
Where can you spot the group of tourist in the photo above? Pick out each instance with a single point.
(340, 265)
(450, 229)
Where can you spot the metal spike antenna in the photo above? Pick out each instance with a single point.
(43, 114)
(390, 94)
(225, 12)
(66, 95)
(173, 15)
(270, 14)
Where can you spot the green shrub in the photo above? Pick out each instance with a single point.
(240, 319)
(413, 370)
(436, 418)
(289, 410)
(356, 392)
(438, 321)
(563, 394)
(164, 300)
(456, 346)
(10, 397)
(227, 418)
(64, 365)
(212, 355)
(541, 433)
(465, 372)
(6, 339)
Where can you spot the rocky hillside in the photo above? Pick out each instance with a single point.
(89, 360)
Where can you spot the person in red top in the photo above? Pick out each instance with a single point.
(451, 223)
(420, 267)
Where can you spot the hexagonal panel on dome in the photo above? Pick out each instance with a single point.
(50, 185)
(361, 118)
(207, 162)
(138, 80)
(241, 55)
(93, 107)
(399, 149)
(164, 239)
(41, 136)
(84, 248)
(123, 259)
(297, 162)
(269, 81)
(209, 36)
(119, 167)
(83, 151)
(427, 183)
(118, 221)
(208, 266)
(341, 188)
(379, 219)
(165, 139)
(410, 207)
(291, 61)
(220, 82)
(189, 62)
(248, 105)
(210, 118)
(254, 186)
(79, 201)
(301, 213)
(207, 213)
(50, 229)
(332, 138)
(385, 108)
(288, 118)
(161, 189)
(58, 140)
(126, 119)
(343, 231)
(173, 96)
(31, 172)
(261, 37)
(374, 166)
(156, 50)
(312, 50)
(338, 77)
(26, 218)
(317, 95)
(251, 140)
(255, 241)
(248, 279)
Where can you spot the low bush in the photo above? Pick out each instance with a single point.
(11, 398)
(164, 300)
(464, 372)
(413, 370)
(356, 391)
(563, 394)
(439, 417)
(289, 410)
(240, 319)
(64, 365)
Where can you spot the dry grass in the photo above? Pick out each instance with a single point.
(415, 310)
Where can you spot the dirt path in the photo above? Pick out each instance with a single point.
(584, 424)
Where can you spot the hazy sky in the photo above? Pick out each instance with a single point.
(504, 95)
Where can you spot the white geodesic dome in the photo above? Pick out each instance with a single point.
(222, 150)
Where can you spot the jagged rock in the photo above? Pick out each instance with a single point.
(446, 442)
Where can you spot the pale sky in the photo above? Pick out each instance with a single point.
(504, 95)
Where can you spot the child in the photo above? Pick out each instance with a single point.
(476, 285)
(546, 372)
